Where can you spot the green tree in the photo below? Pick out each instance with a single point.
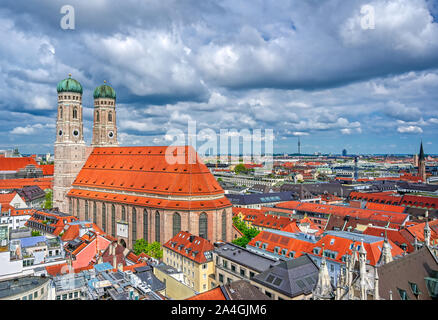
(240, 168)
(151, 249)
(48, 200)
(35, 233)
(248, 233)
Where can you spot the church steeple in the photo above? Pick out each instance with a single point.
(104, 126)
(422, 164)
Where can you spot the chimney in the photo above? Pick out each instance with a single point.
(114, 261)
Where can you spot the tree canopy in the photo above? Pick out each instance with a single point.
(151, 249)
(248, 233)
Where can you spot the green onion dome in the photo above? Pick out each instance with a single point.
(69, 85)
(104, 91)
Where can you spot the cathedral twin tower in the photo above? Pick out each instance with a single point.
(71, 151)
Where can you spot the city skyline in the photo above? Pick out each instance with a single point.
(281, 66)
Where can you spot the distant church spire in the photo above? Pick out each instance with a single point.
(422, 164)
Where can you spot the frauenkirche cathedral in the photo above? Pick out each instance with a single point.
(130, 192)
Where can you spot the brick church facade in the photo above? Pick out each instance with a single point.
(131, 192)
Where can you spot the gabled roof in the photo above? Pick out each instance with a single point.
(6, 198)
(15, 164)
(414, 268)
(43, 183)
(150, 202)
(147, 170)
(190, 246)
(291, 278)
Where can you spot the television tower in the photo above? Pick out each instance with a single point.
(299, 145)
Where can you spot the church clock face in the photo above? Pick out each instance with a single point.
(111, 134)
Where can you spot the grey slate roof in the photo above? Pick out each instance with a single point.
(260, 198)
(292, 277)
(244, 257)
(20, 285)
(412, 268)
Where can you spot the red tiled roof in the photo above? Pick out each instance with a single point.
(15, 164)
(384, 207)
(418, 230)
(151, 202)
(21, 212)
(331, 242)
(43, 183)
(374, 215)
(58, 225)
(71, 231)
(132, 267)
(48, 169)
(146, 170)
(271, 221)
(419, 201)
(394, 235)
(6, 198)
(57, 269)
(181, 244)
(213, 294)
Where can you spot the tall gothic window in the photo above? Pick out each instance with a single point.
(70, 207)
(110, 117)
(97, 116)
(104, 217)
(134, 224)
(176, 223)
(224, 225)
(203, 227)
(145, 225)
(77, 208)
(123, 213)
(157, 226)
(75, 113)
(94, 212)
(86, 209)
(113, 220)
(60, 112)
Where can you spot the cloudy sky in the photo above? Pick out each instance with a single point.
(302, 68)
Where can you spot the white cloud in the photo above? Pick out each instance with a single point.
(410, 129)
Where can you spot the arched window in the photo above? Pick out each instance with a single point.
(145, 225)
(86, 209)
(60, 112)
(123, 214)
(94, 212)
(97, 116)
(203, 226)
(134, 225)
(77, 208)
(104, 217)
(176, 223)
(113, 220)
(75, 113)
(224, 226)
(157, 226)
(70, 207)
(110, 117)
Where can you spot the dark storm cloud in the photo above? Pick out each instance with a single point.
(300, 67)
